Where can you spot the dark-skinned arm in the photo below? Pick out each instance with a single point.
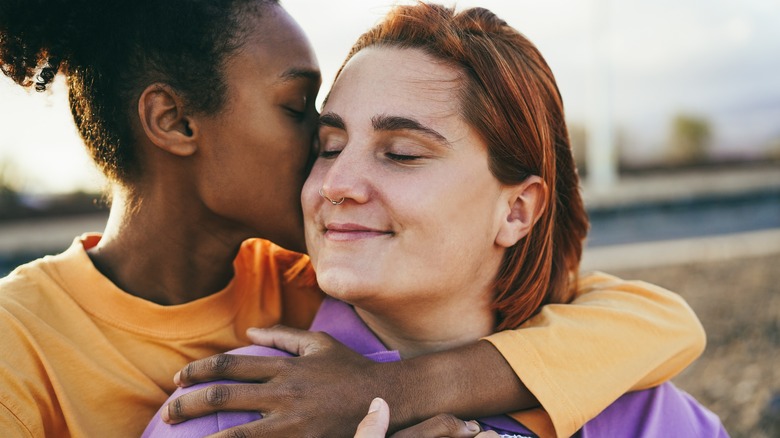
(641, 334)
(325, 391)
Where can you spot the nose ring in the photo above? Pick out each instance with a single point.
(332, 201)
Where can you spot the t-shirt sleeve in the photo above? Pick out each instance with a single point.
(11, 425)
(19, 414)
(615, 336)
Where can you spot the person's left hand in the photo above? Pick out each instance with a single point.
(375, 423)
(323, 392)
(443, 425)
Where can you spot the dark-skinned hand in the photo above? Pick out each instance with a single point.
(323, 392)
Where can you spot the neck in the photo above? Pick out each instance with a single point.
(161, 251)
(425, 327)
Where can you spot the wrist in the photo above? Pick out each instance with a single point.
(405, 386)
(469, 382)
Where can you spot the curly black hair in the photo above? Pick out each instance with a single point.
(111, 50)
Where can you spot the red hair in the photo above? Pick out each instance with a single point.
(509, 96)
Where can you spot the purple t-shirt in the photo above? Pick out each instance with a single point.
(663, 411)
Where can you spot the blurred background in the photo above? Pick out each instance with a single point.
(674, 114)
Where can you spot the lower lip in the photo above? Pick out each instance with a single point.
(347, 236)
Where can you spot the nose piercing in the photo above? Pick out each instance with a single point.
(332, 201)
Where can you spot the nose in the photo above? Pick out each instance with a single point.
(348, 178)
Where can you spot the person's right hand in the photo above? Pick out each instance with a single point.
(374, 425)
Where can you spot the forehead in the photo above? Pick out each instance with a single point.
(274, 45)
(397, 81)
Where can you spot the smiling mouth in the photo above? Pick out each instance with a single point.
(351, 232)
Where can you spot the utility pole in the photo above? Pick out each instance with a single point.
(601, 154)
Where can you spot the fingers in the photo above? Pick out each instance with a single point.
(254, 429)
(210, 399)
(256, 368)
(294, 341)
(375, 423)
(442, 425)
(230, 367)
(292, 395)
(270, 426)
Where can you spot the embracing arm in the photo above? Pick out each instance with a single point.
(617, 335)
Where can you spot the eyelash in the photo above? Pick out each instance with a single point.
(401, 157)
(297, 115)
(395, 157)
(329, 154)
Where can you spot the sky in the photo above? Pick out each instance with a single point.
(717, 59)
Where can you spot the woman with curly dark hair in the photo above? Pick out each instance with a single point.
(201, 114)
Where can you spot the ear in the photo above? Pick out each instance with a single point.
(162, 115)
(525, 203)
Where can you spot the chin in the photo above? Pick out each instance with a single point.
(345, 287)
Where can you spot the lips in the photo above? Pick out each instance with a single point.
(349, 232)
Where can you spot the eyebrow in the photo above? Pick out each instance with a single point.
(386, 123)
(333, 120)
(298, 73)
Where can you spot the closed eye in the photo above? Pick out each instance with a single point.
(298, 115)
(401, 157)
(329, 154)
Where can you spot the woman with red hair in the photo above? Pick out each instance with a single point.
(444, 206)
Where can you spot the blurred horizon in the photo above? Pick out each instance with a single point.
(689, 81)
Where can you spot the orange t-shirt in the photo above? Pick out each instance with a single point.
(80, 357)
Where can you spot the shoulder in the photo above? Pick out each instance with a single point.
(25, 284)
(602, 282)
(30, 282)
(26, 299)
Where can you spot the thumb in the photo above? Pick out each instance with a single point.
(374, 424)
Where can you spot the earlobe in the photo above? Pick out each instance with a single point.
(161, 113)
(525, 203)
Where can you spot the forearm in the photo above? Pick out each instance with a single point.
(470, 382)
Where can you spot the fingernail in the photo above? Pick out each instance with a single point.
(473, 426)
(177, 378)
(253, 330)
(375, 405)
(164, 415)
